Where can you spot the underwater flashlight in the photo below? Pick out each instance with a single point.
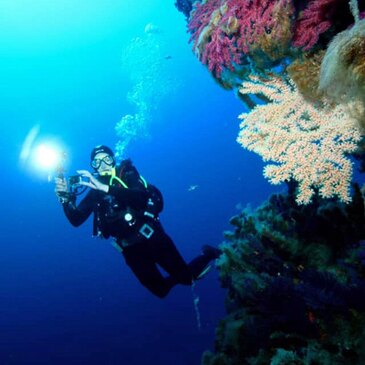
(47, 157)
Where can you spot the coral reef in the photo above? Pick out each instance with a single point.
(275, 52)
(306, 130)
(304, 72)
(317, 18)
(185, 6)
(229, 35)
(294, 268)
(241, 36)
(296, 286)
(307, 143)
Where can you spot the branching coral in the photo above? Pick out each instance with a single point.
(226, 33)
(313, 21)
(265, 29)
(307, 143)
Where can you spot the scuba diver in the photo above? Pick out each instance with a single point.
(126, 208)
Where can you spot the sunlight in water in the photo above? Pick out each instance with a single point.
(34, 24)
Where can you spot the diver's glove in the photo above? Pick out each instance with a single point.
(62, 193)
(93, 182)
(65, 197)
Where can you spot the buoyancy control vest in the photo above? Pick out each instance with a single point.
(120, 220)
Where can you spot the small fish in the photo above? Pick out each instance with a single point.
(168, 57)
(193, 187)
(151, 28)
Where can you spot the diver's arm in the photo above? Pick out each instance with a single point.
(77, 214)
(136, 197)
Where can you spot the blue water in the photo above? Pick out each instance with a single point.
(66, 298)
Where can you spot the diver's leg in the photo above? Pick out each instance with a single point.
(146, 271)
(169, 258)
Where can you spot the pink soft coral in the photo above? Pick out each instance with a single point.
(313, 21)
(226, 32)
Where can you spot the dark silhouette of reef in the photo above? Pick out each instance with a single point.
(185, 6)
(295, 280)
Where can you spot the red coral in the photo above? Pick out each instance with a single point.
(211, 28)
(232, 34)
(314, 20)
(259, 18)
(200, 18)
(220, 53)
(226, 32)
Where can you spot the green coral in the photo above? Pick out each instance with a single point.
(295, 285)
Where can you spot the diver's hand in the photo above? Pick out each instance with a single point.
(61, 190)
(93, 183)
(61, 186)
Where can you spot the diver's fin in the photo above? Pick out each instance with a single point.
(204, 272)
(212, 252)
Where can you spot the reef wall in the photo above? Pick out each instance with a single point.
(294, 267)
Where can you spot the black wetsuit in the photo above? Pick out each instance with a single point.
(142, 251)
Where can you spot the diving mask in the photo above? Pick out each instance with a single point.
(108, 160)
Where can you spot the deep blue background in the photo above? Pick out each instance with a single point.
(66, 298)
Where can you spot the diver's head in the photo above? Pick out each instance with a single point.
(102, 160)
